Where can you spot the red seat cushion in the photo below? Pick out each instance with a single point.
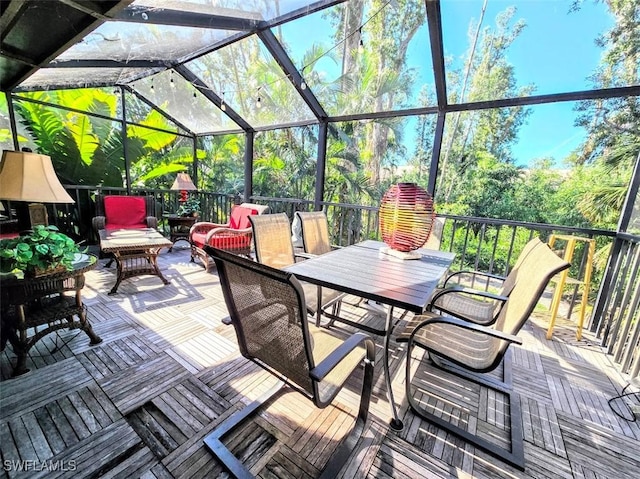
(125, 212)
(240, 217)
(230, 242)
(198, 239)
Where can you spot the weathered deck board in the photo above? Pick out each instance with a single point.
(41, 386)
(133, 386)
(168, 371)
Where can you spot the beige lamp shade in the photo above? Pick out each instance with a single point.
(30, 177)
(183, 183)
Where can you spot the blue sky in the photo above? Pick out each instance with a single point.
(556, 52)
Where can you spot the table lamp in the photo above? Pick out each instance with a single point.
(406, 216)
(184, 184)
(30, 177)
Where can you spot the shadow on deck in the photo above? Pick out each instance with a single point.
(168, 371)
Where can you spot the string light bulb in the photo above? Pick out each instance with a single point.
(223, 107)
(173, 85)
(259, 100)
(303, 85)
(361, 43)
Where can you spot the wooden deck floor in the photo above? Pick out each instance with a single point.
(168, 371)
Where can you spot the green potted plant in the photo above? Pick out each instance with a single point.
(35, 253)
(190, 207)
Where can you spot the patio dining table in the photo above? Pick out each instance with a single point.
(362, 270)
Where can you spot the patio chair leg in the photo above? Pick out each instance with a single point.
(342, 453)
(515, 456)
(214, 440)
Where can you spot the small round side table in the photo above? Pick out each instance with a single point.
(179, 227)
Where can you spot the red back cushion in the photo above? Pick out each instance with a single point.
(125, 211)
(240, 217)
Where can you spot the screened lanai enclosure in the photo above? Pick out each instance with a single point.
(514, 117)
(519, 117)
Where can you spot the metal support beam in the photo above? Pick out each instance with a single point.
(211, 96)
(125, 148)
(631, 198)
(165, 16)
(434, 21)
(107, 64)
(12, 121)
(11, 11)
(321, 165)
(196, 162)
(625, 217)
(292, 73)
(248, 165)
(602, 93)
(435, 154)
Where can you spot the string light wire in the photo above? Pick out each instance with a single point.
(303, 84)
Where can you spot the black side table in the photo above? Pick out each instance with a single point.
(179, 227)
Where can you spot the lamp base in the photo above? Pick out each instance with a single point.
(404, 255)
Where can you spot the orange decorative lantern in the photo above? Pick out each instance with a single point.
(406, 217)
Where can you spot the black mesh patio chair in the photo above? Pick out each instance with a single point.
(468, 350)
(268, 311)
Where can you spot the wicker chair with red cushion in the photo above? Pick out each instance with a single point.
(124, 212)
(235, 236)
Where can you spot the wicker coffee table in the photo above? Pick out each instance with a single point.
(135, 251)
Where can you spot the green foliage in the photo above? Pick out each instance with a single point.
(44, 248)
(189, 207)
(86, 149)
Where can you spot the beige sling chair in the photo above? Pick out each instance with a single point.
(476, 305)
(465, 349)
(273, 247)
(315, 232)
(316, 241)
(268, 311)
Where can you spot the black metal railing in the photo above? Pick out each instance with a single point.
(493, 245)
(479, 243)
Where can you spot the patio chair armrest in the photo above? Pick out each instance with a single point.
(98, 222)
(337, 355)
(304, 255)
(227, 231)
(465, 290)
(204, 226)
(460, 323)
(152, 222)
(475, 273)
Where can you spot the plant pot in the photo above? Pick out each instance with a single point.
(39, 272)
